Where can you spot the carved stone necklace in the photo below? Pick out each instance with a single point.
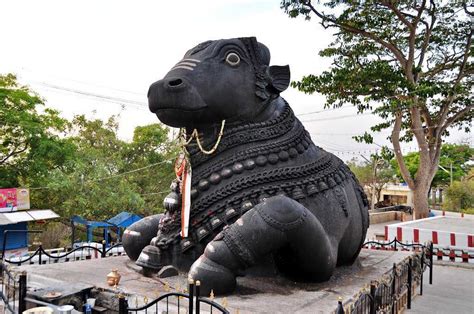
(195, 134)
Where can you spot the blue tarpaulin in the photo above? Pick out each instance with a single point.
(122, 220)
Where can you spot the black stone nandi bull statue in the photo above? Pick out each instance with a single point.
(265, 193)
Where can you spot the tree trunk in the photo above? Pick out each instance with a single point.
(420, 202)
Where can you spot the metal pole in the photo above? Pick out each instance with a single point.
(73, 235)
(198, 291)
(372, 298)
(340, 307)
(394, 274)
(5, 234)
(421, 270)
(451, 172)
(103, 252)
(409, 284)
(22, 293)
(191, 295)
(40, 251)
(123, 304)
(431, 263)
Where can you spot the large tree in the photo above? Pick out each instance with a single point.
(410, 62)
(455, 163)
(109, 175)
(373, 174)
(80, 166)
(31, 141)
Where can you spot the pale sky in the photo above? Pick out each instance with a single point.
(116, 49)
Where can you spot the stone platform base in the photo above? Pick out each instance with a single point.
(253, 294)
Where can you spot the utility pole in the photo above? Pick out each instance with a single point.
(450, 171)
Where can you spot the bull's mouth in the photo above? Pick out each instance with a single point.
(178, 109)
(181, 117)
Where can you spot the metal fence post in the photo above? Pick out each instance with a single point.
(409, 284)
(372, 298)
(422, 263)
(123, 304)
(22, 293)
(394, 274)
(198, 291)
(395, 244)
(40, 251)
(103, 251)
(431, 263)
(191, 295)
(340, 307)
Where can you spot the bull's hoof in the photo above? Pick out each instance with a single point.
(139, 234)
(150, 259)
(212, 276)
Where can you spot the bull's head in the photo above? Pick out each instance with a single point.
(223, 79)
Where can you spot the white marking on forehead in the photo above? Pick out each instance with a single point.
(182, 67)
(193, 60)
(186, 63)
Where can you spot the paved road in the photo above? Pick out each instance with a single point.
(452, 292)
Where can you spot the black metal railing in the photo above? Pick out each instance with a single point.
(394, 291)
(175, 302)
(80, 253)
(426, 250)
(12, 290)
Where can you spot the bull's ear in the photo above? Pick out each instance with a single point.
(279, 76)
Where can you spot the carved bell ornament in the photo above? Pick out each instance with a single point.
(172, 202)
(113, 278)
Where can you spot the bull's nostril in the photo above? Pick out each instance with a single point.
(175, 83)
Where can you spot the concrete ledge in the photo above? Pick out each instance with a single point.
(253, 294)
(381, 217)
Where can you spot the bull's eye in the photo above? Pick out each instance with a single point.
(233, 59)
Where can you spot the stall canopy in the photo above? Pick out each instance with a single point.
(16, 223)
(122, 220)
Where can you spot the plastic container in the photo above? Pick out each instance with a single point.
(65, 309)
(91, 301)
(87, 308)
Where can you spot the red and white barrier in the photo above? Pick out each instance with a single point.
(405, 232)
(449, 245)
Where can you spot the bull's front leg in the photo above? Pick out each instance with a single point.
(271, 225)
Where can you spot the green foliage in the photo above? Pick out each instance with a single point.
(458, 156)
(80, 167)
(409, 62)
(31, 144)
(373, 173)
(372, 50)
(103, 180)
(460, 196)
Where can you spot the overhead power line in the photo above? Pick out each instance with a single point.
(62, 78)
(321, 111)
(115, 175)
(117, 100)
(337, 118)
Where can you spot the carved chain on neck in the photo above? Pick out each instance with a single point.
(247, 133)
(195, 134)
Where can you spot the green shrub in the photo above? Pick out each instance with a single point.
(460, 197)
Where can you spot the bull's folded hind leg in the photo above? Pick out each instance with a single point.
(270, 226)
